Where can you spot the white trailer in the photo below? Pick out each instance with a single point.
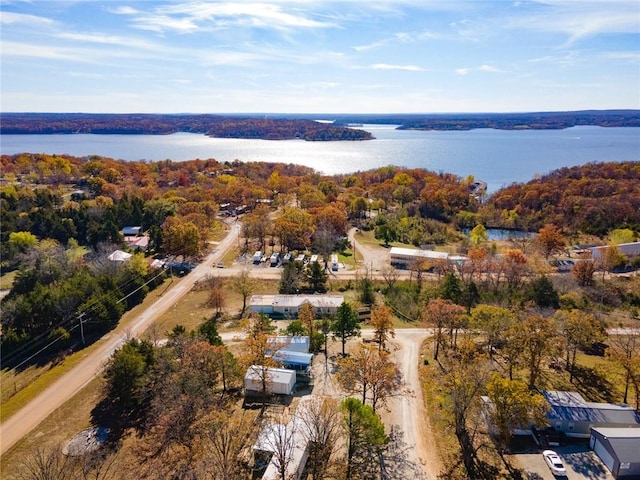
(279, 381)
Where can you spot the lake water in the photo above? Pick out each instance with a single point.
(499, 157)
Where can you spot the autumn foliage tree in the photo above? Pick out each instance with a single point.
(382, 322)
(440, 314)
(550, 240)
(513, 405)
(371, 374)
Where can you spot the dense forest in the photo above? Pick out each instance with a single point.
(503, 318)
(303, 126)
(55, 206)
(502, 121)
(592, 198)
(149, 124)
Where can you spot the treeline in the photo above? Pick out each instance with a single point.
(154, 124)
(60, 300)
(502, 121)
(593, 198)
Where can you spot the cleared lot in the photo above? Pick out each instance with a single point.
(581, 464)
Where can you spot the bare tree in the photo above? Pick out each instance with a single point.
(390, 276)
(245, 285)
(625, 351)
(280, 439)
(45, 463)
(440, 313)
(320, 424)
(229, 434)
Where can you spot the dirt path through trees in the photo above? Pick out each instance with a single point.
(408, 411)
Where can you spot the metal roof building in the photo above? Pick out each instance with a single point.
(289, 342)
(571, 414)
(287, 306)
(275, 380)
(619, 450)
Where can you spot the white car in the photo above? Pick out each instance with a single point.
(553, 461)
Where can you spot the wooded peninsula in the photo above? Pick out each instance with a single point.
(308, 127)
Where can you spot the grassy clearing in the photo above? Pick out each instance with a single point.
(71, 418)
(6, 280)
(191, 310)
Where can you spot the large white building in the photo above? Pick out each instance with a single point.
(405, 257)
(287, 306)
(626, 249)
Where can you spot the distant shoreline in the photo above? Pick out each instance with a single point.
(310, 127)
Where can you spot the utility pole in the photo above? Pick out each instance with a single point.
(81, 327)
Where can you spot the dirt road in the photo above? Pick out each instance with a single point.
(408, 411)
(30, 416)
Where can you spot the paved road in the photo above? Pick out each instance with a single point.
(30, 416)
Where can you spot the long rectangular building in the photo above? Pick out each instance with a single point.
(288, 306)
(405, 257)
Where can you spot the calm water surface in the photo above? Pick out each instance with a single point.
(498, 157)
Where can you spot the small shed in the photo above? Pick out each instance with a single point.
(119, 256)
(132, 231)
(279, 381)
(619, 450)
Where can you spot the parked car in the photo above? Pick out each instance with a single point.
(182, 268)
(554, 463)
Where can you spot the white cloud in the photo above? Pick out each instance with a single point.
(482, 68)
(632, 56)
(386, 66)
(123, 10)
(488, 68)
(10, 18)
(101, 38)
(194, 16)
(581, 18)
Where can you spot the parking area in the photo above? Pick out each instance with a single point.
(581, 464)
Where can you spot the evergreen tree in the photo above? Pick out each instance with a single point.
(345, 324)
(451, 288)
(317, 278)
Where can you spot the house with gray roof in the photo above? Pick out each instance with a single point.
(287, 306)
(572, 415)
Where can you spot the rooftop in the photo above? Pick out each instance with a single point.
(572, 407)
(625, 442)
(297, 300)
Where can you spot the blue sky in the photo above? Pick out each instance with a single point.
(346, 56)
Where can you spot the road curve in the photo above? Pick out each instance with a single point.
(37, 410)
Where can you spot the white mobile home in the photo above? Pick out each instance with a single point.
(626, 249)
(279, 381)
(287, 306)
(570, 414)
(405, 257)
